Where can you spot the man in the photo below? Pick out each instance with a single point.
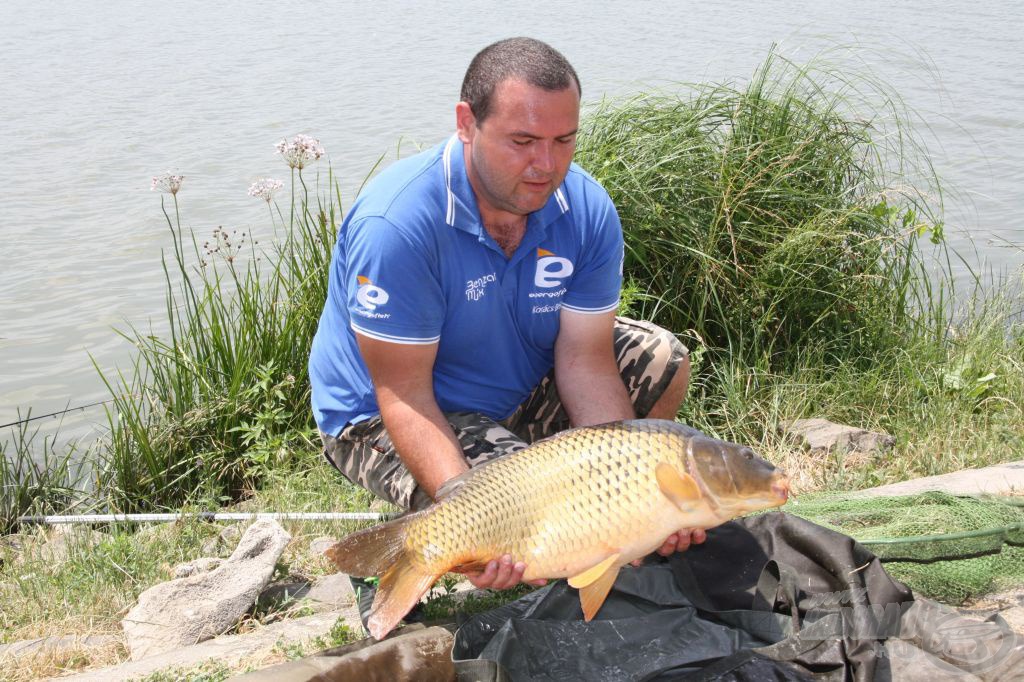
(469, 283)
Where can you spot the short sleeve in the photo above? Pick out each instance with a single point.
(597, 283)
(391, 283)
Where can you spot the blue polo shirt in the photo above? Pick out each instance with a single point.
(414, 265)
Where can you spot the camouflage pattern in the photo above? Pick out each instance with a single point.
(364, 454)
(647, 355)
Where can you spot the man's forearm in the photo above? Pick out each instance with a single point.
(425, 442)
(592, 394)
(586, 373)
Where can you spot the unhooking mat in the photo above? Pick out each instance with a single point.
(769, 597)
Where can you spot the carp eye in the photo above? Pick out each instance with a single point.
(747, 453)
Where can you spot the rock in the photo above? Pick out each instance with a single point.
(321, 544)
(281, 593)
(223, 543)
(411, 654)
(999, 479)
(821, 435)
(196, 608)
(229, 650)
(157, 530)
(1009, 605)
(334, 589)
(46, 645)
(63, 540)
(196, 566)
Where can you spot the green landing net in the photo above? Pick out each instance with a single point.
(946, 547)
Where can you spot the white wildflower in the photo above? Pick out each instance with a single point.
(300, 150)
(264, 188)
(168, 182)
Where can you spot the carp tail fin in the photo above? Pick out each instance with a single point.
(371, 551)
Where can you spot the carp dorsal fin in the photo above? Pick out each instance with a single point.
(595, 583)
(681, 488)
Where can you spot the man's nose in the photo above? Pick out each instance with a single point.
(544, 157)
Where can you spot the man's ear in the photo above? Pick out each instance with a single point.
(465, 122)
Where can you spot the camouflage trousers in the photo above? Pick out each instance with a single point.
(647, 355)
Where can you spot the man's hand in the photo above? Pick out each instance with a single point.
(679, 542)
(501, 574)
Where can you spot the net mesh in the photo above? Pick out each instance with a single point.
(947, 547)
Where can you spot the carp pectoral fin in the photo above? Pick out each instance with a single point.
(594, 590)
(678, 487)
(581, 580)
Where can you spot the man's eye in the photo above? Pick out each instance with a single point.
(567, 140)
(522, 143)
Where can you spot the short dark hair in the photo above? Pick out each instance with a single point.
(527, 59)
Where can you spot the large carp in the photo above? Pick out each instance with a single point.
(580, 504)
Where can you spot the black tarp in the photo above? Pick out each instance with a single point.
(769, 597)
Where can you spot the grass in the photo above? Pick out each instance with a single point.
(776, 227)
(37, 478)
(89, 590)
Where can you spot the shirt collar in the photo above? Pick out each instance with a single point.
(461, 209)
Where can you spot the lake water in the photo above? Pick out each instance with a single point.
(99, 97)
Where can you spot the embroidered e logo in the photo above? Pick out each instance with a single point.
(551, 269)
(368, 295)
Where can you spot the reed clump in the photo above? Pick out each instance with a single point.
(767, 218)
(222, 399)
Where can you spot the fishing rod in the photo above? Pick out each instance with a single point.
(208, 516)
(59, 413)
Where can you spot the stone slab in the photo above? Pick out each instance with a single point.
(229, 649)
(999, 479)
(57, 643)
(820, 435)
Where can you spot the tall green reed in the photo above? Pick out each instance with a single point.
(38, 478)
(771, 217)
(221, 399)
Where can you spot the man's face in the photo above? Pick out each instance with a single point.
(519, 155)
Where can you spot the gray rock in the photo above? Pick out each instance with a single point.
(45, 645)
(64, 540)
(821, 435)
(998, 479)
(321, 544)
(1009, 605)
(229, 649)
(223, 543)
(334, 589)
(189, 610)
(197, 566)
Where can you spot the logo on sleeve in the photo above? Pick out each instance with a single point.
(369, 295)
(551, 269)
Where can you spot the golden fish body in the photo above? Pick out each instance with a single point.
(581, 505)
(561, 505)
